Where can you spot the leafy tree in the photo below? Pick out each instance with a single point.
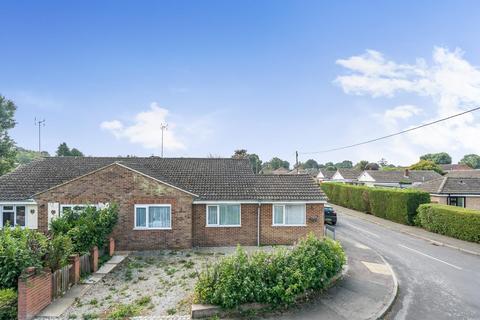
(426, 165)
(361, 165)
(240, 154)
(438, 158)
(64, 151)
(25, 156)
(372, 166)
(255, 161)
(276, 163)
(347, 164)
(76, 153)
(383, 162)
(7, 145)
(471, 160)
(310, 163)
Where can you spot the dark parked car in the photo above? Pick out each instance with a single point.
(330, 216)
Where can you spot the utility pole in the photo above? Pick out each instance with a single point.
(40, 124)
(163, 127)
(296, 160)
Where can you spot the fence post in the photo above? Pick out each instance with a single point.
(74, 260)
(94, 258)
(34, 292)
(111, 247)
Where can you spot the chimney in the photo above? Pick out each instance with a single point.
(407, 173)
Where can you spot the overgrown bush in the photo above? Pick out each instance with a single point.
(59, 248)
(8, 304)
(19, 249)
(399, 205)
(86, 228)
(276, 278)
(451, 221)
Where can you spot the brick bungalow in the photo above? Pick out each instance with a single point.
(167, 202)
(457, 188)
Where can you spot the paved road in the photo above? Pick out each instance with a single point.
(435, 282)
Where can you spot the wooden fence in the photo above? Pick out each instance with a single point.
(61, 281)
(85, 266)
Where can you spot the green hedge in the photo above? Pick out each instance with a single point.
(275, 278)
(8, 304)
(451, 221)
(399, 205)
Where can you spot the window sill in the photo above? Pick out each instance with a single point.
(289, 225)
(223, 226)
(147, 229)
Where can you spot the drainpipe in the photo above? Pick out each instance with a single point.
(258, 224)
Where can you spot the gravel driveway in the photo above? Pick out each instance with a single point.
(146, 284)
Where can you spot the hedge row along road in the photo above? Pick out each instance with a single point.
(435, 282)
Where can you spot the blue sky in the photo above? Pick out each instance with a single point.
(268, 76)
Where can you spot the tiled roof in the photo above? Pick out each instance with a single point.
(452, 185)
(209, 178)
(450, 167)
(351, 174)
(287, 187)
(399, 176)
(328, 174)
(465, 173)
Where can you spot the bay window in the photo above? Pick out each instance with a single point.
(153, 216)
(223, 215)
(289, 215)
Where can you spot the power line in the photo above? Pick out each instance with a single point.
(393, 134)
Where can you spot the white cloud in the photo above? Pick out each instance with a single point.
(145, 129)
(450, 82)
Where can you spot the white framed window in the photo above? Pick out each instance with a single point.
(289, 215)
(224, 215)
(13, 215)
(153, 216)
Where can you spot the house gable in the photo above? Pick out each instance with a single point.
(365, 177)
(337, 176)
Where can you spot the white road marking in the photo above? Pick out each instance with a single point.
(363, 230)
(361, 246)
(428, 256)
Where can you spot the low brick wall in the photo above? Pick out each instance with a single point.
(34, 292)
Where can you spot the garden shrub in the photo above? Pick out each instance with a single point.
(86, 228)
(451, 221)
(19, 249)
(275, 278)
(8, 304)
(399, 205)
(59, 248)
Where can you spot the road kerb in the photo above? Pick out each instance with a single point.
(393, 296)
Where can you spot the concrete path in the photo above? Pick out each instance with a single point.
(366, 291)
(59, 306)
(438, 239)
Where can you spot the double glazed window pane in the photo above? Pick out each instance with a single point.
(212, 215)
(230, 215)
(159, 217)
(13, 216)
(295, 214)
(141, 217)
(20, 216)
(277, 214)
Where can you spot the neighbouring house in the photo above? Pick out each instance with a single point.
(280, 170)
(310, 171)
(454, 167)
(396, 179)
(167, 202)
(346, 175)
(457, 188)
(325, 175)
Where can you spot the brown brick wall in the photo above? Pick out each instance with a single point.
(127, 188)
(225, 236)
(288, 235)
(34, 293)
